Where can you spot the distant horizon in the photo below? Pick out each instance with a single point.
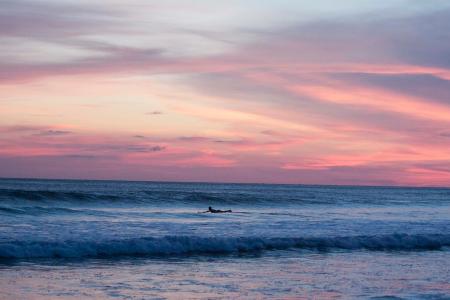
(219, 182)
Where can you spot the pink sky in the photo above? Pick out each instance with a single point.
(254, 91)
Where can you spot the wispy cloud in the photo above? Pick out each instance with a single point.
(53, 132)
(317, 93)
(155, 112)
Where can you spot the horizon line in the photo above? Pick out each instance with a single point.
(224, 182)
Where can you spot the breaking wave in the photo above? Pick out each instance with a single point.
(193, 245)
(42, 195)
(50, 197)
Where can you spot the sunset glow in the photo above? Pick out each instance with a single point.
(226, 91)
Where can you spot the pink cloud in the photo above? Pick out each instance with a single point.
(277, 107)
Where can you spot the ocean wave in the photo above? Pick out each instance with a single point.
(202, 197)
(150, 197)
(194, 245)
(46, 195)
(41, 210)
(143, 197)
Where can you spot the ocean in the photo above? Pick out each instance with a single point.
(68, 239)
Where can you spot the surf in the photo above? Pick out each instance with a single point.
(195, 245)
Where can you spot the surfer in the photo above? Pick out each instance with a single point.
(216, 211)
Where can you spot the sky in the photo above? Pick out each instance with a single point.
(351, 92)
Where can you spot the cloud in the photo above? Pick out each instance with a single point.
(34, 130)
(81, 156)
(426, 86)
(51, 20)
(194, 138)
(155, 112)
(144, 149)
(269, 132)
(53, 132)
(438, 166)
(393, 39)
(351, 95)
(118, 148)
(230, 141)
(20, 128)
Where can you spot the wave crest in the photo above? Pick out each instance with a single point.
(193, 245)
(43, 195)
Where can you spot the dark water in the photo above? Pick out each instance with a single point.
(104, 239)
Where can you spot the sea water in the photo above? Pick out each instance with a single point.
(62, 239)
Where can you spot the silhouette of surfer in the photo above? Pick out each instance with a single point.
(217, 211)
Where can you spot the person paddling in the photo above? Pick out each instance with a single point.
(216, 211)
